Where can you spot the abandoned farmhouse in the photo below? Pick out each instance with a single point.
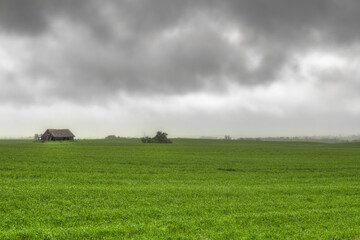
(57, 135)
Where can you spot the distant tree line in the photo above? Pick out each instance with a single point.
(324, 139)
(111, 137)
(160, 137)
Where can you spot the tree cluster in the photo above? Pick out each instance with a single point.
(111, 137)
(160, 137)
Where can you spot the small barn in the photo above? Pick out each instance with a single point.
(57, 135)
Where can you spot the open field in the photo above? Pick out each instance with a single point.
(191, 189)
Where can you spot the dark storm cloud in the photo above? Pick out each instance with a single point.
(22, 16)
(173, 47)
(298, 20)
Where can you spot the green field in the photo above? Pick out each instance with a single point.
(191, 189)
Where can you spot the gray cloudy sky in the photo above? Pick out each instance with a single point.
(189, 67)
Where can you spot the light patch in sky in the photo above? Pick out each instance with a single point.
(237, 112)
(324, 60)
(233, 35)
(11, 54)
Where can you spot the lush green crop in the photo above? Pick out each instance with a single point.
(191, 189)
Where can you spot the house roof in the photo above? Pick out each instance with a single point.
(60, 133)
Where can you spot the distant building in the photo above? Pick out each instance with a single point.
(57, 135)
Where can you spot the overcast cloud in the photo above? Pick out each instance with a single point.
(192, 68)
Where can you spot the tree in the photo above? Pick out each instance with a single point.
(111, 137)
(37, 137)
(160, 137)
(227, 137)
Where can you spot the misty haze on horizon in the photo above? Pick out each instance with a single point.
(191, 68)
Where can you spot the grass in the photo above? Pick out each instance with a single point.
(191, 189)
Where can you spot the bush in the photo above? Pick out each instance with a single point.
(160, 137)
(147, 140)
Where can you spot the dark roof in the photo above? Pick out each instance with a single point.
(60, 133)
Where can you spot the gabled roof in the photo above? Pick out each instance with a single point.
(60, 132)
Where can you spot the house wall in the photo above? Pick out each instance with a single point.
(46, 136)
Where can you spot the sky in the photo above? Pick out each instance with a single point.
(191, 68)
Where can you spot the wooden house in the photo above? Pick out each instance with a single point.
(57, 135)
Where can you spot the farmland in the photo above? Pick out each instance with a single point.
(191, 189)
